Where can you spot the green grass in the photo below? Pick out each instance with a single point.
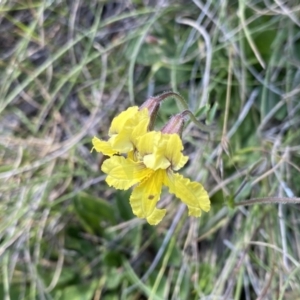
(68, 67)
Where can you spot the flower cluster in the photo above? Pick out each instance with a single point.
(148, 160)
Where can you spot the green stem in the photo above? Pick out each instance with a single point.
(166, 95)
(186, 111)
(197, 123)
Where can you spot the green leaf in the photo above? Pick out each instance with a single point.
(211, 114)
(114, 278)
(123, 206)
(93, 212)
(77, 292)
(113, 259)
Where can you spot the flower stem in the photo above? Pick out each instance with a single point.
(196, 122)
(166, 95)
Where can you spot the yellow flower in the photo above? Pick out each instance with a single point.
(158, 156)
(124, 131)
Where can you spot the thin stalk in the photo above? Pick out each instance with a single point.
(196, 122)
(177, 96)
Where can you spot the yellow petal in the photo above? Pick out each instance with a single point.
(134, 127)
(132, 155)
(121, 142)
(145, 196)
(147, 142)
(141, 115)
(139, 130)
(156, 161)
(152, 149)
(156, 216)
(173, 149)
(119, 121)
(191, 193)
(162, 150)
(124, 173)
(103, 146)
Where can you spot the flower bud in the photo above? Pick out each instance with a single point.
(152, 104)
(175, 125)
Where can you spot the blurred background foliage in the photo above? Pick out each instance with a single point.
(68, 67)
